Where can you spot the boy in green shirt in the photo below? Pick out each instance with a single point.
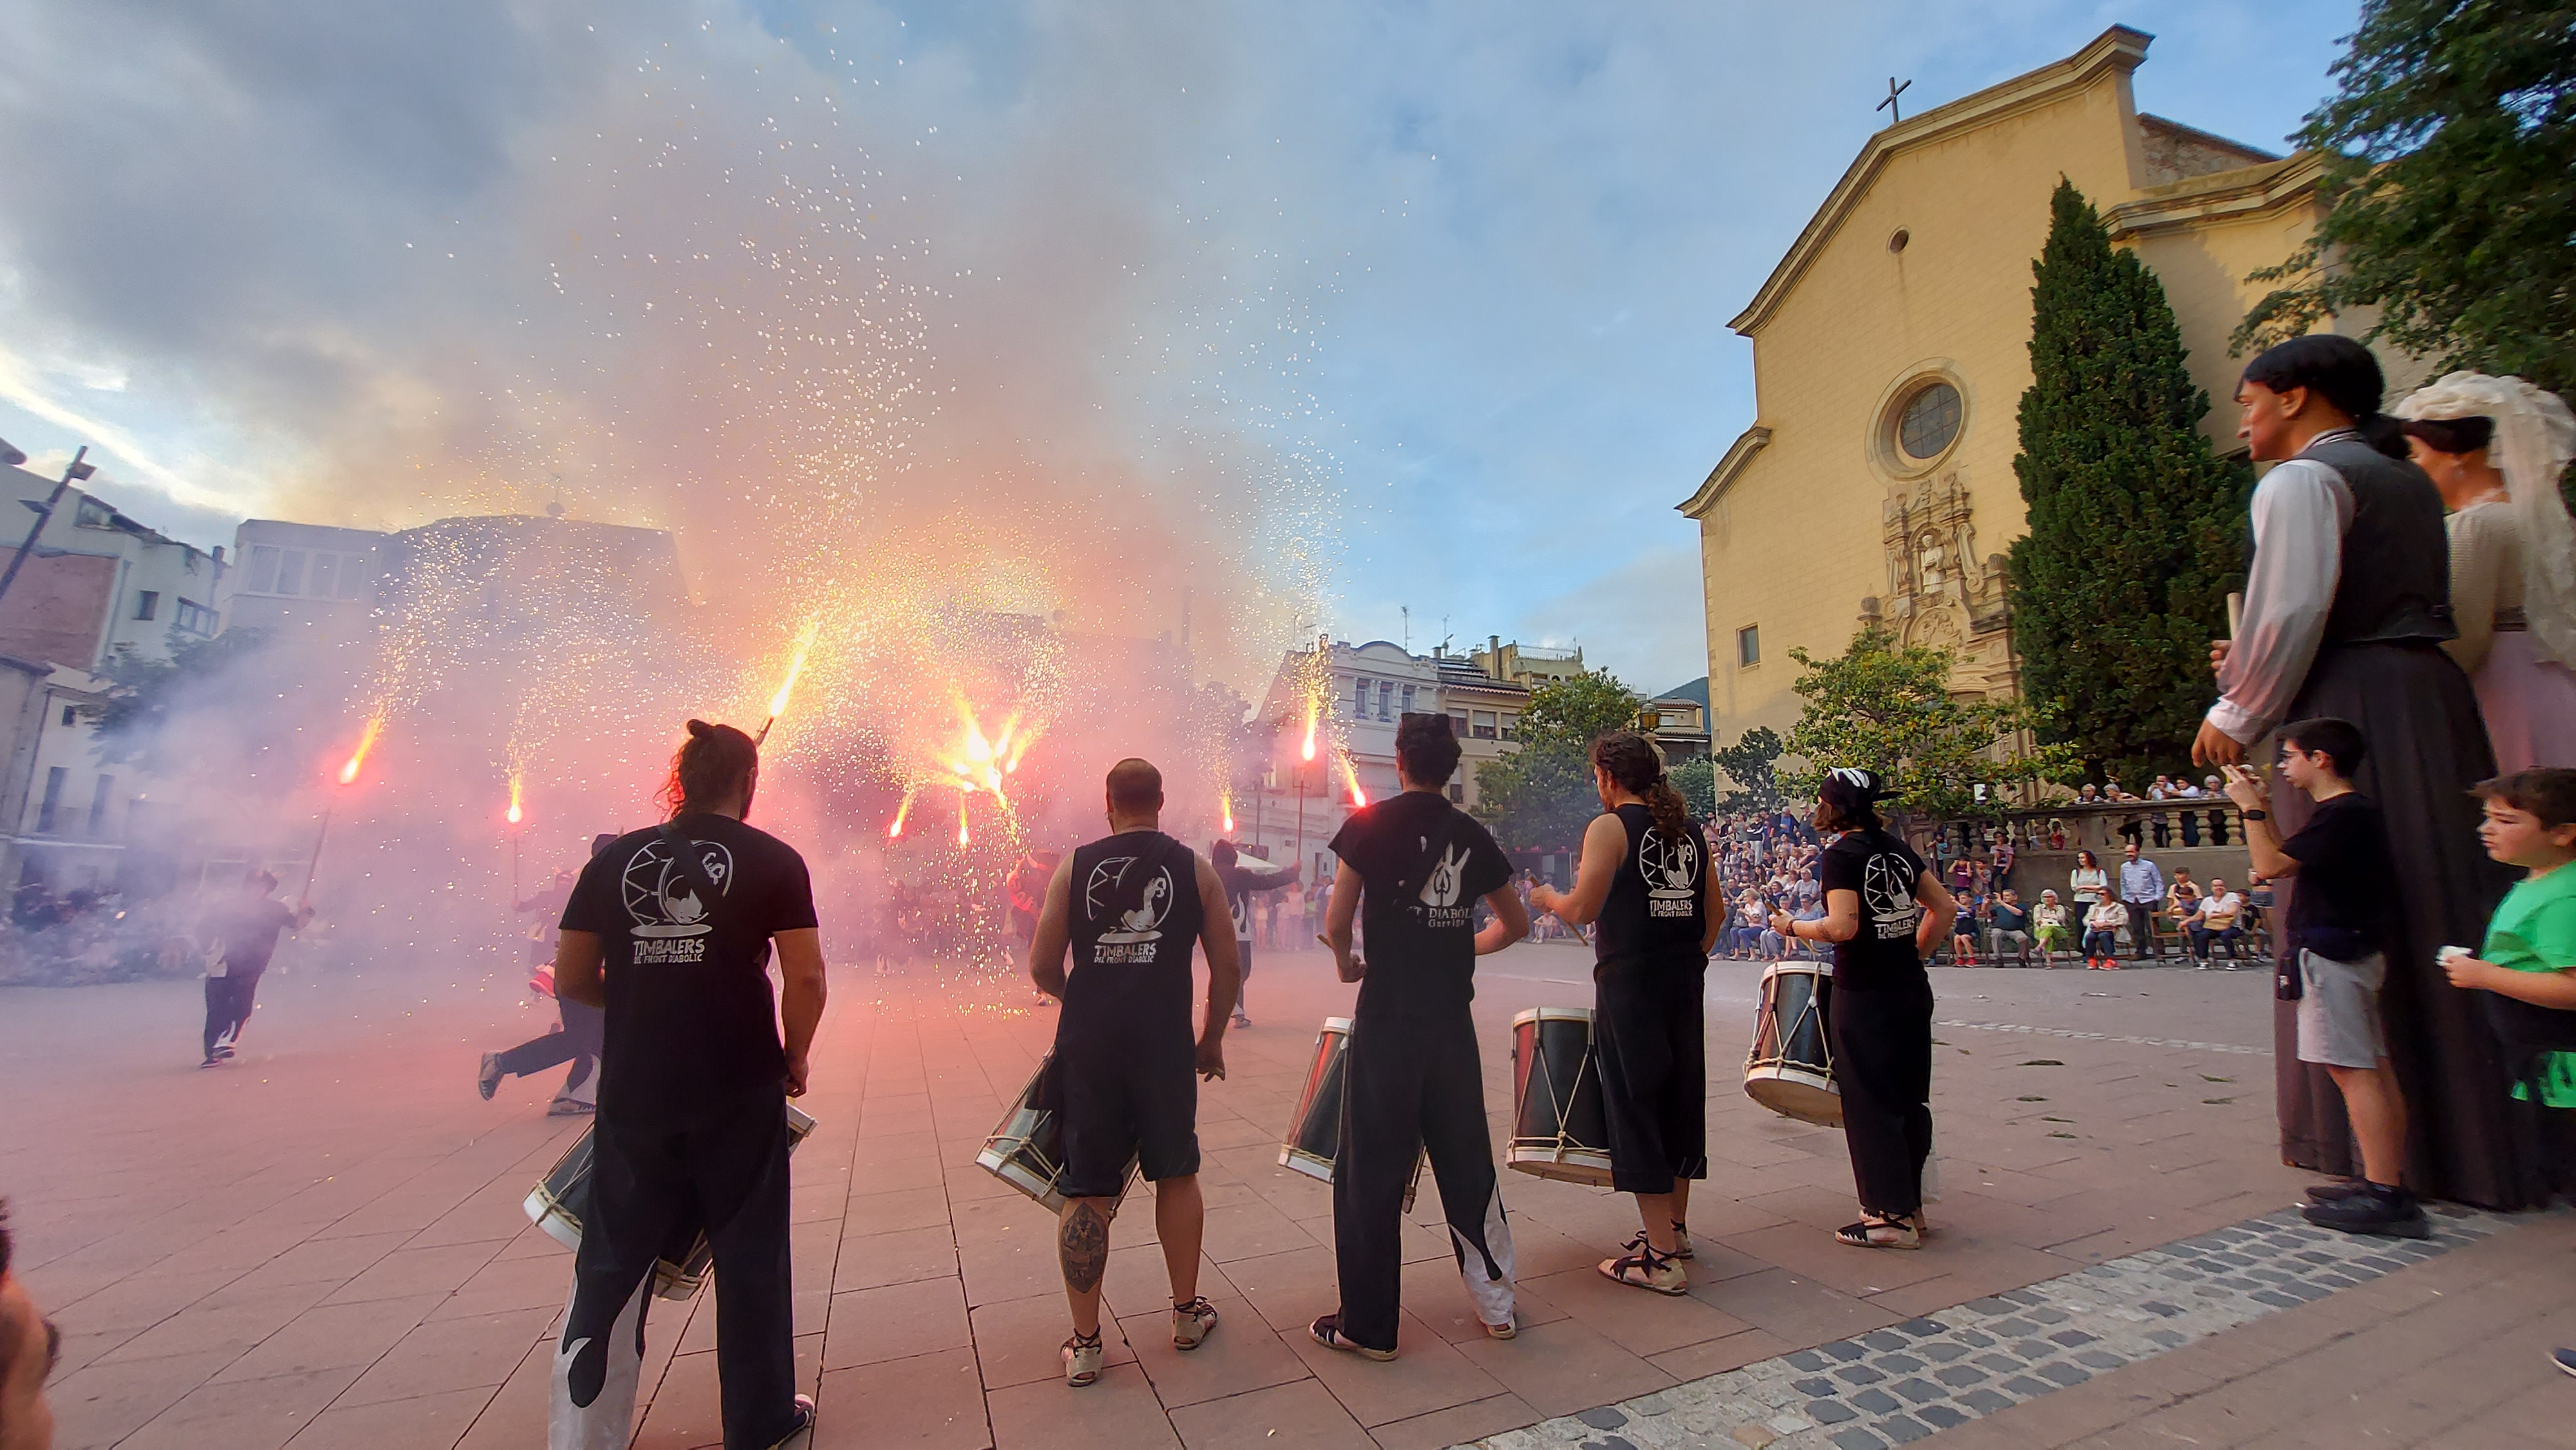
(2530, 950)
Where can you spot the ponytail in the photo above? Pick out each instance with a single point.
(714, 764)
(1636, 766)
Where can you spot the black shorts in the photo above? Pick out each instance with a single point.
(1128, 1097)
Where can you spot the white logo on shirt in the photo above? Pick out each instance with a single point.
(1887, 889)
(1447, 878)
(1671, 869)
(1133, 934)
(659, 900)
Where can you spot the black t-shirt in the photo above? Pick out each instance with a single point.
(1133, 913)
(1240, 882)
(1882, 870)
(691, 1020)
(248, 927)
(1419, 905)
(2345, 879)
(1652, 920)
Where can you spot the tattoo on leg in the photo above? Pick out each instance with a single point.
(1082, 1242)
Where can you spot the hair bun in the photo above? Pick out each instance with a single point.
(700, 729)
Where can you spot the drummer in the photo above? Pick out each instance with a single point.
(1414, 1083)
(1884, 913)
(1644, 877)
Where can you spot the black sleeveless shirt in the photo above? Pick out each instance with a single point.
(1134, 913)
(1655, 916)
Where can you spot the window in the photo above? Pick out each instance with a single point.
(1408, 700)
(1511, 727)
(1359, 698)
(147, 605)
(95, 515)
(195, 618)
(263, 569)
(1386, 699)
(1929, 421)
(1458, 724)
(98, 805)
(290, 572)
(1457, 793)
(317, 580)
(353, 575)
(1485, 728)
(53, 798)
(1748, 646)
(67, 715)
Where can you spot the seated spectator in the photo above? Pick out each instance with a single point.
(2102, 927)
(2218, 917)
(1808, 947)
(2182, 901)
(2008, 922)
(1963, 931)
(2048, 927)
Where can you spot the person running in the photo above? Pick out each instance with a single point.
(1240, 882)
(578, 1037)
(1644, 878)
(1883, 912)
(241, 936)
(670, 930)
(1126, 907)
(1414, 1082)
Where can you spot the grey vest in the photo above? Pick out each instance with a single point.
(2395, 583)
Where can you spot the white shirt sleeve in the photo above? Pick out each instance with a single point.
(2301, 510)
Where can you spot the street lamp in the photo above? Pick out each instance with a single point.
(76, 469)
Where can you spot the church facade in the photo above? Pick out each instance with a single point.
(1891, 350)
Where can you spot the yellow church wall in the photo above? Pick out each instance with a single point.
(1794, 544)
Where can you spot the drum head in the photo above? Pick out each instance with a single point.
(1796, 1093)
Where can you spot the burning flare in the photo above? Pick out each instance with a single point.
(795, 667)
(366, 743)
(895, 831)
(514, 814)
(1225, 808)
(1351, 774)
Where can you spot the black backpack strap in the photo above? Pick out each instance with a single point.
(684, 855)
(1435, 845)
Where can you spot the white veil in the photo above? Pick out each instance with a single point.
(2535, 436)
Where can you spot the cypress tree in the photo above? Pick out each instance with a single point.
(2136, 524)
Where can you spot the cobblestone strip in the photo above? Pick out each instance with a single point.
(1901, 1384)
(2109, 1037)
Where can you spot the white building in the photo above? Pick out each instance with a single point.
(1355, 695)
(97, 586)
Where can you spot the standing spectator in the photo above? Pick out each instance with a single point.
(2218, 917)
(2008, 922)
(2142, 891)
(241, 936)
(2102, 926)
(2338, 929)
(2002, 858)
(2088, 880)
(2048, 927)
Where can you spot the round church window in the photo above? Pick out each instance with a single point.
(1929, 422)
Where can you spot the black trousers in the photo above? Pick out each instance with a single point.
(1650, 1040)
(229, 999)
(1414, 1085)
(577, 1044)
(1883, 1063)
(654, 1186)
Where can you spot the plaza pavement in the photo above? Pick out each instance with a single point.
(321, 1244)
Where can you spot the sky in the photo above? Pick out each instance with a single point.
(1330, 312)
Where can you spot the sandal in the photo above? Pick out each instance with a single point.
(1881, 1231)
(1327, 1331)
(1645, 1267)
(1681, 1242)
(1082, 1356)
(1192, 1323)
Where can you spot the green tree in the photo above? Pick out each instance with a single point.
(1889, 709)
(1696, 780)
(2449, 153)
(133, 722)
(1541, 795)
(2135, 522)
(1752, 762)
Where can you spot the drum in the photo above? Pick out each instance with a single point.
(1558, 1127)
(1314, 1139)
(560, 1200)
(1791, 1067)
(1026, 1149)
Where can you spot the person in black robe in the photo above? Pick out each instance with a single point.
(2346, 607)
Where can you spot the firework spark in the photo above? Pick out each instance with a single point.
(366, 743)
